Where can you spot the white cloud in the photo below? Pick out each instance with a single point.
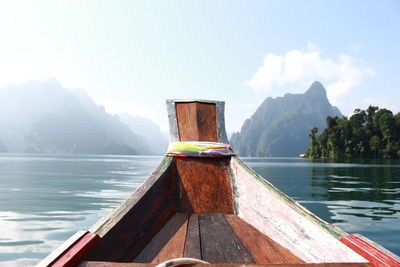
(301, 68)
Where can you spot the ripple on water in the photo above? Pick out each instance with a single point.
(59, 195)
(55, 196)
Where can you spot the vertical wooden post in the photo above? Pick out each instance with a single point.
(196, 120)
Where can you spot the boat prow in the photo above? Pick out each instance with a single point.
(202, 202)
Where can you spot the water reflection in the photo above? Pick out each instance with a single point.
(360, 196)
(44, 199)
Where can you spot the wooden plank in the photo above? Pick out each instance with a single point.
(173, 124)
(197, 121)
(205, 185)
(262, 248)
(374, 255)
(267, 209)
(379, 247)
(150, 229)
(73, 254)
(331, 229)
(219, 244)
(123, 264)
(168, 242)
(114, 264)
(61, 249)
(138, 219)
(105, 224)
(192, 243)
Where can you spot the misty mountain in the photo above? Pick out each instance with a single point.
(45, 117)
(280, 126)
(3, 148)
(154, 139)
(148, 129)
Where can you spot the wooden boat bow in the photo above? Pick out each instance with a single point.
(213, 208)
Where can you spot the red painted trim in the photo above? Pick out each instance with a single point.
(368, 251)
(75, 252)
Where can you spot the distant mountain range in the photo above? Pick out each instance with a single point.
(3, 148)
(280, 126)
(151, 131)
(44, 117)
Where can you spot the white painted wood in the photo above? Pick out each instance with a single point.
(193, 100)
(222, 137)
(260, 204)
(379, 247)
(60, 250)
(173, 123)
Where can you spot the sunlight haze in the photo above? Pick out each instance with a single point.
(132, 55)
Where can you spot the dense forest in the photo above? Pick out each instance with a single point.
(370, 133)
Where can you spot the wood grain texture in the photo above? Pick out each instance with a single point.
(168, 243)
(142, 216)
(55, 254)
(197, 121)
(374, 255)
(204, 185)
(192, 243)
(74, 253)
(377, 246)
(219, 244)
(262, 248)
(105, 224)
(263, 206)
(118, 264)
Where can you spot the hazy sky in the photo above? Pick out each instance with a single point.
(132, 55)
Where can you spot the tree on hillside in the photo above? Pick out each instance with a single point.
(370, 133)
(314, 150)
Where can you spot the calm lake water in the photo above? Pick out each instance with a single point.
(44, 199)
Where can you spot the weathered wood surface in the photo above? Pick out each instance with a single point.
(173, 124)
(197, 121)
(71, 255)
(377, 246)
(224, 239)
(131, 226)
(205, 185)
(192, 243)
(222, 136)
(168, 243)
(119, 264)
(331, 229)
(61, 249)
(371, 253)
(219, 244)
(262, 248)
(262, 205)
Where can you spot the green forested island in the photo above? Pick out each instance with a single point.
(370, 133)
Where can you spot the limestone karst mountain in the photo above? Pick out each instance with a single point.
(280, 126)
